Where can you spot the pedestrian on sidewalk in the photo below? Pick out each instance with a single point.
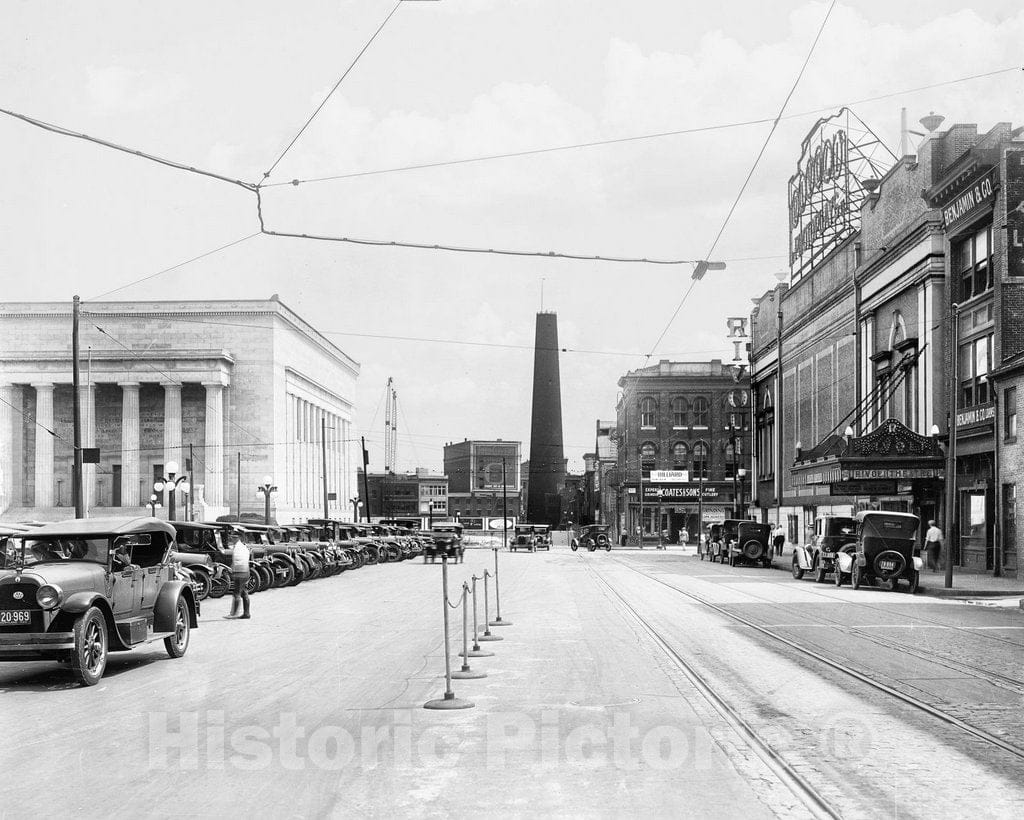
(240, 569)
(779, 538)
(933, 545)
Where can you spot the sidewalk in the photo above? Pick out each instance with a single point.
(965, 584)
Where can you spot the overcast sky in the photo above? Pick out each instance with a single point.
(227, 85)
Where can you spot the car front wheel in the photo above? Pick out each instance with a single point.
(90, 658)
(177, 642)
(798, 572)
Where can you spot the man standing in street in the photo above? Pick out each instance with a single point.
(933, 545)
(779, 538)
(240, 576)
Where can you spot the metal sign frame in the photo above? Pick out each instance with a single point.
(826, 193)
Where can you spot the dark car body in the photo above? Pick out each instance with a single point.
(84, 587)
(593, 537)
(884, 552)
(747, 542)
(523, 538)
(831, 534)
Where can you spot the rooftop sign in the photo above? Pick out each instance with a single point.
(827, 191)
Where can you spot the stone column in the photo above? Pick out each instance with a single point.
(288, 487)
(300, 452)
(172, 426)
(44, 444)
(214, 450)
(130, 444)
(87, 403)
(8, 483)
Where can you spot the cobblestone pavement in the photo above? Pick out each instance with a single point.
(599, 701)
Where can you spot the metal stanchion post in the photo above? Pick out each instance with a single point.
(487, 636)
(466, 672)
(476, 651)
(449, 701)
(497, 596)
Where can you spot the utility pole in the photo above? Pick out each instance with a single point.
(735, 496)
(366, 480)
(323, 453)
(952, 539)
(778, 412)
(238, 488)
(76, 409)
(191, 485)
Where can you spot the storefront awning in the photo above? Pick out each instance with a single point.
(877, 463)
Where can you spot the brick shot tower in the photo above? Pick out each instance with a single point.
(547, 461)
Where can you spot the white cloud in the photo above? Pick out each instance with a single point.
(119, 88)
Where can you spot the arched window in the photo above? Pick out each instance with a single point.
(680, 412)
(648, 411)
(648, 450)
(701, 460)
(700, 412)
(680, 455)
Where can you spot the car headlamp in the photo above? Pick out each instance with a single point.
(49, 596)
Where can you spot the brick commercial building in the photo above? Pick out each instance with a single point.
(980, 193)
(683, 433)
(244, 382)
(422, 494)
(853, 357)
(475, 469)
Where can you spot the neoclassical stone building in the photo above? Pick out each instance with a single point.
(246, 387)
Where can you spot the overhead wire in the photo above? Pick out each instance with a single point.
(757, 160)
(147, 278)
(634, 138)
(181, 166)
(331, 92)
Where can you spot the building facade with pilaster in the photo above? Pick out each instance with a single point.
(233, 391)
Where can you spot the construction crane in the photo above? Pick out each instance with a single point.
(390, 441)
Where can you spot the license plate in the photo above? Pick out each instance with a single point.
(887, 564)
(15, 617)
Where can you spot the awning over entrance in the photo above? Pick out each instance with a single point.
(890, 459)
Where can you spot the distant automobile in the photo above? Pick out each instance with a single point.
(593, 537)
(77, 590)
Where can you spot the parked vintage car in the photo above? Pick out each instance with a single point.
(445, 538)
(82, 588)
(883, 553)
(713, 546)
(542, 535)
(831, 533)
(747, 542)
(592, 537)
(523, 538)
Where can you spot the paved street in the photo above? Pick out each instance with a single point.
(625, 684)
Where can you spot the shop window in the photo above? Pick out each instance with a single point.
(700, 412)
(975, 360)
(1010, 413)
(701, 461)
(680, 412)
(648, 412)
(974, 264)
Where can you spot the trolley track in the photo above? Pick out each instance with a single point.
(930, 655)
(787, 774)
(933, 711)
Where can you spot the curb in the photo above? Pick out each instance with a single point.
(942, 592)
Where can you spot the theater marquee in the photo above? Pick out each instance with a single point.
(827, 190)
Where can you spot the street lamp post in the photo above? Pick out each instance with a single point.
(735, 494)
(742, 474)
(356, 504)
(171, 483)
(153, 504)
(267, 487)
